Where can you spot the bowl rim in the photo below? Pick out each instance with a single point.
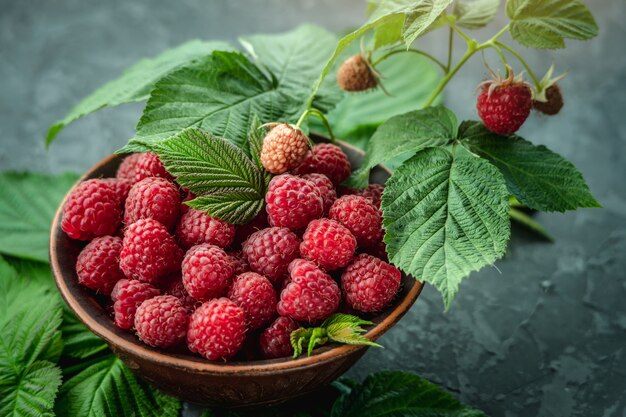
(202, 365)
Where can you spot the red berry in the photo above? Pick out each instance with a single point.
(196, 227)
(243, 232)
(293, 202)
(121, 185)
(284, 148)
(149, 165)
(310, 295)
(128, 167)
(373, 192)
(360, 216)
(553, 103)
(369, 284)
(325, 185)
(177, 289)
(328, 243)
(92, 209)
(270, 251)
(326, 159)
(127, 295)
(149, 252)
(255, 294)
(240, 263)
(207, 272)
(161, 321)
(98, 265)
(504, 105)
(217, 329)
(153, 198)
(275, 340)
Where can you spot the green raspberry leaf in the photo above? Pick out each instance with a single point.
(536, 176)
(27, 210)
(546, 24)
(445, 215)
(409, 132)
(78, 341)
(108, 388)
(137, 81)
(31, 393)
(228, 184)
(475, 14)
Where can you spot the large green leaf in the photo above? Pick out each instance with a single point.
(445, 215)
(26, 209)
(137, 81)
(108, 388)
(546, 24)
(474, 14)
(409, 132)
(536, 176)
(399, 394)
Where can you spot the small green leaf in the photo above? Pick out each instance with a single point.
(26, 210)
(228, 184)
(536, 176)
(137, 81)
(474, 14)
(445, 215)
(409, 132)
(420, 16)
(546, 24)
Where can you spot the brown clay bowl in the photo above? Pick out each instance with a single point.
(194, 379)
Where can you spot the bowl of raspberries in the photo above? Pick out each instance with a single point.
(211, 312)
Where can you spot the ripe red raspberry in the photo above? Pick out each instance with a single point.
(122, 187)
(239, 262)
(360, 216)
(161, 321)
(369, 284)
(177, 289)
(356, 74)
(98, 265)
(275, 340)
(284, 148)
(255, 294)
(270, 251)
(373, 192)
(149, 165)
(326, 187)
(293, 202)
(93, 209)
(553, 103)
(149, 252)
(328, 243)
(326, 159)
(196, 227)
(128, 167)
(207, 272)
(127, 295)
(217, 329)
(243, 232)
(153, 198)
(310, 295)
(504, 105)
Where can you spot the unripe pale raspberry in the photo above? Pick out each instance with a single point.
(284, 148)
(207, 272)
(128, 167)
(98, 265)
(149, 165)
(196, 227)
(293, 202)
(275, 341)
(161, 321)
(217, 329)
(311, 294)
(255, 294)
(369, 284)
(326, 159)
(355, 74)
(328, 243)
(127, 295)
(153, 198)
(326, 187)
(360, 216)
(270, 251)
(149, 252)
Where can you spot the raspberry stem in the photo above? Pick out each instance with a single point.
(498, 44)
(415, 51)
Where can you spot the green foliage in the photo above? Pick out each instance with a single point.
(546, 24)
(228, 184)
(78, 341)
(536, 176)
(409, 132)
(475, 14)
(445, 215)
(26, 209)
(137, 81)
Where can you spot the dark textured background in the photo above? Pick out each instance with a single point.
(543, 334)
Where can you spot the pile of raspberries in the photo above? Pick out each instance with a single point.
(178, 276)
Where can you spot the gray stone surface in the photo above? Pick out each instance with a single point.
(543, 334)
